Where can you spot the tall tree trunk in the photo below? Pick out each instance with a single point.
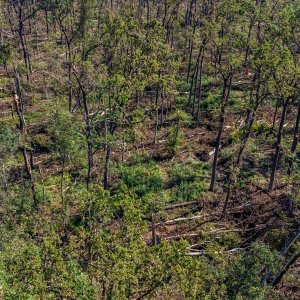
(88, 131)
(156, 110)
(275, 116)
(278, 145)
(296, 131)
(200, 88)
(247, 54)
(225, 96)
(20, 108)
(110, 130)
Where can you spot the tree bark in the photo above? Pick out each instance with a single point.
(296, 132)
(225, 96)
(278, 145)
(20, 108)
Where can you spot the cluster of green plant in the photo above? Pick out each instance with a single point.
(142, 178)
(187, 181)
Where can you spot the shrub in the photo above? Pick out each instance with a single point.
(188, 191)
(8, 141)
(243, 279)
(175, 141)
(142, 178)
(188, 172)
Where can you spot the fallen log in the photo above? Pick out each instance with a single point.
(184, 204)
(191, 235)
(233, 211)
(204, 252)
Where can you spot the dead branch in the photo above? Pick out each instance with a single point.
(184, 204)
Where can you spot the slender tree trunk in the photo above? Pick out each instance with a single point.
(70, 63)
(47, 22)
(191, 49)
(153, 229)
(225, 96)
(200, 90)
(275, 116)
(278, 145)
(296, 131)
(195, 88)
(88, 132)
(20, 108)
(156, 111)
(111, 131)
(24, 50)
(195, 77)
(106, 166)
(247, 54)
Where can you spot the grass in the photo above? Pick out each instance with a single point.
(142, 178)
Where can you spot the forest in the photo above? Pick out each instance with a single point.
(149, 149)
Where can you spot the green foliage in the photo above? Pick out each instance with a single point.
(260, 127)
(67, 137)
(189, 172)
(142, 178)
(243, 281)
(34, 272)
(5, 54)
(175, 141)
(22, 277)
(187, 181)
(211, 103)
(9, 141)
(188, 191)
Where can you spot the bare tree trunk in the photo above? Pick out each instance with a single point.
(156, 110)
(225, 96)
(20, 108)
(296, 132)
(88, 131)
(275, 116)
(153, 228)
(278, 145)
(200, 88)
(248, 40)
(110, 130)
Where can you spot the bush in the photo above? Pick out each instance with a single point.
(260, 127)
(9, 141)
(188, 181)
(188, 191)
(175, 141)
(142, 178)
(244, 275)
(188, 172)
